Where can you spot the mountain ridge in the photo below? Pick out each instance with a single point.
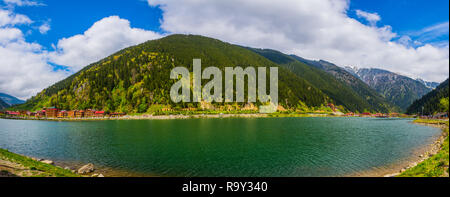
(430, 102)
(338, 90)
(398, 89)
(10, 100)
(133, 79)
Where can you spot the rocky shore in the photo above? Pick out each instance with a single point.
(427, 152)
(15, 165)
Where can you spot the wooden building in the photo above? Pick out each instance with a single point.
(99, 114)
(79, 114)
(51, 112)
(71, 114)
(89, 113)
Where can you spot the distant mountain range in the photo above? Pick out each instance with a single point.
(3, 105)
(398, 89)
(337, 83)
(10, 100)
(429, 103)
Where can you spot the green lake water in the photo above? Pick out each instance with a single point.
(222, 147)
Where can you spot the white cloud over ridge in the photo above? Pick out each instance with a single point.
(316, 29)
(102, 39)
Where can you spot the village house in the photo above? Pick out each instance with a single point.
(99, 114)
(62, 114)
(40, 113)
(89, 113)
(71, 114)
(13, 113)
(79, 114)
(116, 114)
(51, 112)
(366, 114)
(331, 105)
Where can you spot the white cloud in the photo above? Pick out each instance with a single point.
(23, 65)
(430, 33)
(372, 18)
(316, 29)
(24, 70)
(22, 3)
(44, 28)
(102, 39)
(8, 18)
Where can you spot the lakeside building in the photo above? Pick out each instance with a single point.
(79, 114)
(12, 113)
(366, 114)
(116, 114)
(52, 112)
(99, 114)
(89, 113)
(62, 114)
(71, 114)
(331, 105)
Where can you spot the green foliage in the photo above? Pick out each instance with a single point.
(45, 169)
(444, 104)
(431, 102)
(136, 78)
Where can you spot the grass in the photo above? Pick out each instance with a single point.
(39, 169)
(435, 166)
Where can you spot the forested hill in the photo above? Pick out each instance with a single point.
(3, 104)
(137, 78)
(342, 87)
(431, 102)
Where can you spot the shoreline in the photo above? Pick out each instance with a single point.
(420, 154)
(179, 116)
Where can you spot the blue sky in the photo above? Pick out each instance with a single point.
(408, 16)
(53, 38)
(68, 18)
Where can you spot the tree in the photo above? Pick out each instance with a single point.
(444, 104)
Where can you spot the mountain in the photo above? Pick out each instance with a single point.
(372, 97)
(3, 104)
(430, 102)
(136, 79)
(10, 100)
(431, 85)
(347, 91)
(398, 89)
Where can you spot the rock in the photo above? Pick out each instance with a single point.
(50, 162)
(67, 168)
(86, 169)
(420, 155)
(403, 170)
(101, 175)
(36, 159)
(94, 175)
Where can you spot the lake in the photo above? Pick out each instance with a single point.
(316, 146)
